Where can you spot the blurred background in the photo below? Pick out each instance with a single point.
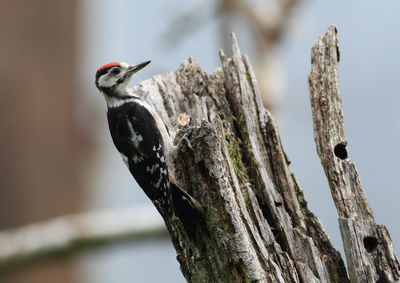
(56, 154)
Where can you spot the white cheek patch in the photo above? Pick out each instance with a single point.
(108, 80)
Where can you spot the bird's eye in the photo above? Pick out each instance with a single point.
(115, 71)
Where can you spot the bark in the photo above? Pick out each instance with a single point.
(368, 247)
(256, 225)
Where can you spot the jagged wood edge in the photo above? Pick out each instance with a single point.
(368, 247)
(230, 132)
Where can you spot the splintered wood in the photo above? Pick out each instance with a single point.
(368, 247)
(256, 225)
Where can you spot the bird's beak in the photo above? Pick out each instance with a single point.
(136, 68)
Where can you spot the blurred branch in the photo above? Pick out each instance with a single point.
(267, 32)
(268, 25)
(76, 232)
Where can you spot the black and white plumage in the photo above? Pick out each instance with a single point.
(141, 138)
(136, 136)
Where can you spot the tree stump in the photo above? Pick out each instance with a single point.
(256, 226)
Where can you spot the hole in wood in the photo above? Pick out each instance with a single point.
(340, 151)
(370, 243)
(278, 203)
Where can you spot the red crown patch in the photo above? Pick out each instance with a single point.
(112, 64)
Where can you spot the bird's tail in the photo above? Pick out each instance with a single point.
(186, 208)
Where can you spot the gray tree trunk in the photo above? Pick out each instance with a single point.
(368, 247)
(256, 225)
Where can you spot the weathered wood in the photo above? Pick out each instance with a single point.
(368, 247)
(256, 225)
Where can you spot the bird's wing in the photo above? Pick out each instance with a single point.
(141, 133)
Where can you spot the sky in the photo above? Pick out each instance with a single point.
(134, 31)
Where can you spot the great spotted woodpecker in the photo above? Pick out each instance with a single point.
(141, 138)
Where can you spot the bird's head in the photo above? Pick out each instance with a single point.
(113, 78)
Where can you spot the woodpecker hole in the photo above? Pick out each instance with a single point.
(278, 203)
(370, 244)
(340, 151)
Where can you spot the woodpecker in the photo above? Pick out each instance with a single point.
(140, 136)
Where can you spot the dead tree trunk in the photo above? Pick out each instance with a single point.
(256, 225)
(368, 247)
